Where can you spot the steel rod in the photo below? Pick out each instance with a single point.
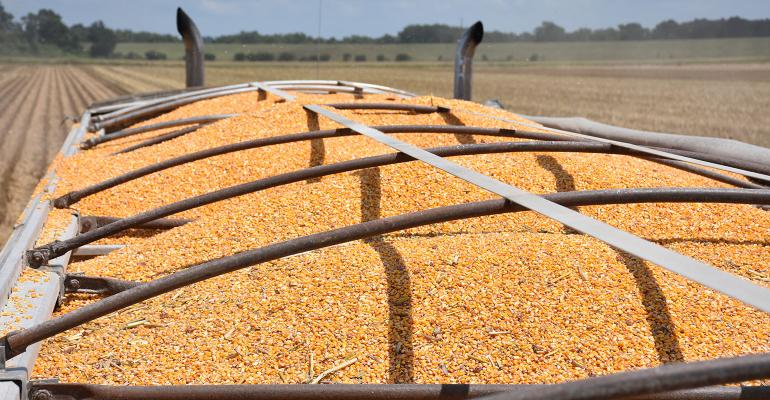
(91, 222)
(417, 108)
(707, 173)
(154, 99)
(94, 250)
(76, 283)
(16, 342)
(345, 392)
(40, 255)
(161, 138)
(651, 380)
(151, 111)
(75, 196)
(87, 144)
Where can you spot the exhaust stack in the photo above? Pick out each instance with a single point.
(466, 48)
(193, 48)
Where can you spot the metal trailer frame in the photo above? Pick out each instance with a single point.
(14, 380)
(18, 349)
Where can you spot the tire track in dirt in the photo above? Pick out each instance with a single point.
(81, 89)
(76, 96)
(73, 104)
(9, 93)
(77, 90)
(91, 84)
(17, 129)
(54, 124)
(34, 101)
(111, 88)
(8, 77)
(108, 88)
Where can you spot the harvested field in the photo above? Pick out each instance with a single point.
(35, 102)
(512, 298)
(723, 100)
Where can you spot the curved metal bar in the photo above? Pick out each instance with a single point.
(154, 99)
(730, 162)
(162, 138)
(193, 48)
(706, 173)
(417, 108)
(92, 222)
(75, 283)
(382, 88)
(393, 391)
(466, 48)
(16, 342)
(651, 380)
(75, 196)
(159, 108)
(87, 144)
(40, 255)
(330, 89)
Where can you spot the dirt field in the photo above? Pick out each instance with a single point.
(34, 102)
(726, 100)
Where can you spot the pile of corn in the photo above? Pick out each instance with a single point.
(513, 298)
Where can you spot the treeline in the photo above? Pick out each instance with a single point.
(289, 56)
(44, 32)
(733, 27)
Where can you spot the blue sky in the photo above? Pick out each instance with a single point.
(377, 17)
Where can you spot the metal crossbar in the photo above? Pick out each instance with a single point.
(705, 274)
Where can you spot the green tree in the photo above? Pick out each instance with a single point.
(103, 40)
(6, 21)
(633, 31)
(549, 32)
(667, 29)
(46, 27)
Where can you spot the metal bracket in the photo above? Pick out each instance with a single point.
(78, 283)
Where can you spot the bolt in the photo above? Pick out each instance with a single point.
(74, 284)
(37, 258)
(41, 394)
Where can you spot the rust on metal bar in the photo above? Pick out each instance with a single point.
(77, 391)
(91, 222)
(76, 283)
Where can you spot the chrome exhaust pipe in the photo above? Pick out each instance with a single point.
(193, 48)
(466, 48)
